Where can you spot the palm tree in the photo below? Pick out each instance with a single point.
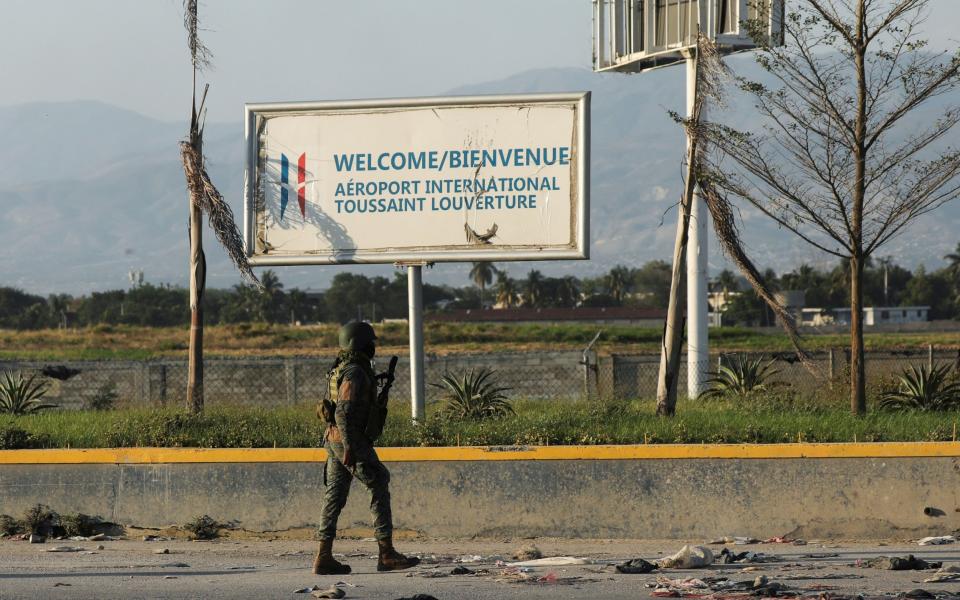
(271, 292)
(954, 269)
(506, 290)
(954, 259)
(618, 282)
(533, 289)
(568, 291)
(482, 275)
(297, 300)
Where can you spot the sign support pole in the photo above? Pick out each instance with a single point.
(698, 359)
(415, 304)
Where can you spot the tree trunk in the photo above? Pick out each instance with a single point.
(858, 396)
(858, 399)
(673, 328)
(198, 269)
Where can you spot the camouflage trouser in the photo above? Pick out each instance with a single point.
(337, 478)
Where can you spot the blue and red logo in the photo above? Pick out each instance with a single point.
(301, 183)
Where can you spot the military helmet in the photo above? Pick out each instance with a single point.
(356, 335)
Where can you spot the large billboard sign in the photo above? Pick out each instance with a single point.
(418, 180)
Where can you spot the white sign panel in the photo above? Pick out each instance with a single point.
(423, 180)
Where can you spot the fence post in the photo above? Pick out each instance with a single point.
(162, 392)
(831, 366)
(930, 357)
(290, 380)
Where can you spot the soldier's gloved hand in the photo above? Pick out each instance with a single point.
(348, 460)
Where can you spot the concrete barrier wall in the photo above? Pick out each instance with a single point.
(868, 491)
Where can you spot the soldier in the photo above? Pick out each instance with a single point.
(355, 416)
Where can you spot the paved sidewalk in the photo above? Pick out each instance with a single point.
(257, 568)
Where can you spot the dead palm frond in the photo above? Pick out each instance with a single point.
(203, 193)
(712, 78)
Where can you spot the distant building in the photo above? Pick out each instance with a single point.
(815, 317)
(878, 315)
(610, 315)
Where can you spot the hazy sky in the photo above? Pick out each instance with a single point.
(132, 53)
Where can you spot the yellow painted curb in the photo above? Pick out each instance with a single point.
(492, 453)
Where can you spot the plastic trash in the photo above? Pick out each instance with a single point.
(937, 540)
(899, 563)
(333, 592)
(689, 557)
(636, 566)
(551, 561)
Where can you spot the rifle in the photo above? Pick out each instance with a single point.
(378, 413)
(386, 381)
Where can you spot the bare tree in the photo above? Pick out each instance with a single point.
(204, 197)
(836, 162)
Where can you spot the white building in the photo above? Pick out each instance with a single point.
(878, 315)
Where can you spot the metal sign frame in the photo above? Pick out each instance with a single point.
(577, 247)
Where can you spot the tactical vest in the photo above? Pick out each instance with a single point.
(376, 417)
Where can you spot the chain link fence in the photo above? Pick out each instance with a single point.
(557, 376)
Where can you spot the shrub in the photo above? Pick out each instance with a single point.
(203, 528)
(10, 526)
(922, 389)
(19, 396)
(475, 395)
(14, 438)
(79, 524)
(104, 398)
(739, 377)
(40, 519)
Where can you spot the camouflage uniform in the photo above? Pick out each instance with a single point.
(357, 393)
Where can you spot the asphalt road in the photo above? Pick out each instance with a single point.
(256, 568)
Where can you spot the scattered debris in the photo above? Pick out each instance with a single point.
(689, 557)
(551, 561)
(942, 577)
(728, 558)
(418, 597)
(333, 592)
(461, 571)
(898, 563)
(292, 553)
(528, 552)
(64, 549)
(636, 566)
(170, 577)
(472, 558)
(306, 590)
(61, 584)
(36, 538)
(162, 551)
(734, 539)
(429, 574)
(100, 546)
(937, 540)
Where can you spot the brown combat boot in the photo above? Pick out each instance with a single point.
(391, 560)
(325, 564)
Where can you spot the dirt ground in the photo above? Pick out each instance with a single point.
(275, 566)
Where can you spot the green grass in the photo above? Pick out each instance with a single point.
(536, 423)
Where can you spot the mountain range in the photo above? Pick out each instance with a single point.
(92, 191)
